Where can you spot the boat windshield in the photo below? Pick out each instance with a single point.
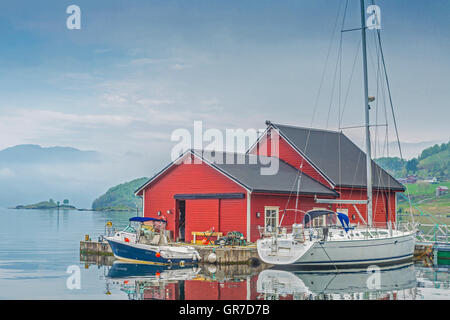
(129, 229)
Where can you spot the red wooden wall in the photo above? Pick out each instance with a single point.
(233, 215)
(228, 290)
(379, 205)
(201, 215)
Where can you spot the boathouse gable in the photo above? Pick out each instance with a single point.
(335, 161)
(200, 191)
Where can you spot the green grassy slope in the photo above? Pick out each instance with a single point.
(120, 197)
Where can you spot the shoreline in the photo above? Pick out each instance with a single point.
(72, 208)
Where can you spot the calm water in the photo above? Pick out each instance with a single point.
(37, 248)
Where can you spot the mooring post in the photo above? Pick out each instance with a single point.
(435, 255)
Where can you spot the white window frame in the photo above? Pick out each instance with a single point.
(319, 221)
(277, 215)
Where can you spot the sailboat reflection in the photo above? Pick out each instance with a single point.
(398, 282)
(147, 281)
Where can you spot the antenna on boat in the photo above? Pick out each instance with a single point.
(366, 109)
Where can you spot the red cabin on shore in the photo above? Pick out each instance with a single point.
(202, 190)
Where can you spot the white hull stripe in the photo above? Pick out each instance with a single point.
(353, 261)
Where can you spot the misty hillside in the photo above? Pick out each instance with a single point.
(31, 153)
(120, 197)
(431, 162)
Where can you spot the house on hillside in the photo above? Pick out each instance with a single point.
(441, 190)
(431, 180)
(412, 178)
(202, 190)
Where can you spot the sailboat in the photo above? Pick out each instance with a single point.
(340, 245)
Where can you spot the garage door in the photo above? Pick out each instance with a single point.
(201, 215)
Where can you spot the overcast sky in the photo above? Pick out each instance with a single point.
(137, 70)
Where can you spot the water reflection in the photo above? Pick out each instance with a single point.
(373, 283)
(145, 281)
(211, 282)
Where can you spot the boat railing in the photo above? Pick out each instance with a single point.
(295, 232)
(380, 229)
(300, 232)
(405, 226)
(280, 231)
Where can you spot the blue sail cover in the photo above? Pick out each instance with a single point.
(343, 218)
(144, 219)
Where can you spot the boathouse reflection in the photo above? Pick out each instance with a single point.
(210, 282)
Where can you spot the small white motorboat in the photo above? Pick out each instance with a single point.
(148, 243)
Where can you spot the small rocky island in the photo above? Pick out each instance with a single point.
(50, 204)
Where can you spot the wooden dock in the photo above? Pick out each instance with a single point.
(222, 255)
(95, 248)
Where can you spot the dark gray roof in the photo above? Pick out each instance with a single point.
(336, 157)
(248, 173)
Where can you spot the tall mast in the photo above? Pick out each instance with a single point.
(366, 109)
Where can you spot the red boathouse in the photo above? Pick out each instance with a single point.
(202, 190)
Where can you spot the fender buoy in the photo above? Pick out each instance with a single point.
(212, 257)
(127, 240)
(158, 254)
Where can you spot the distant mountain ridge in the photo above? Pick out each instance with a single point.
(31, 153)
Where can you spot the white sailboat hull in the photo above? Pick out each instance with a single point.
(316, 253)
(356, 252)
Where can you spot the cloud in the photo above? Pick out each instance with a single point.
(68, 119)
(47, 127)
(178, 66)
(99, 51)
(154, 102)
(114, 99)
(6, 173)
(143, 61)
